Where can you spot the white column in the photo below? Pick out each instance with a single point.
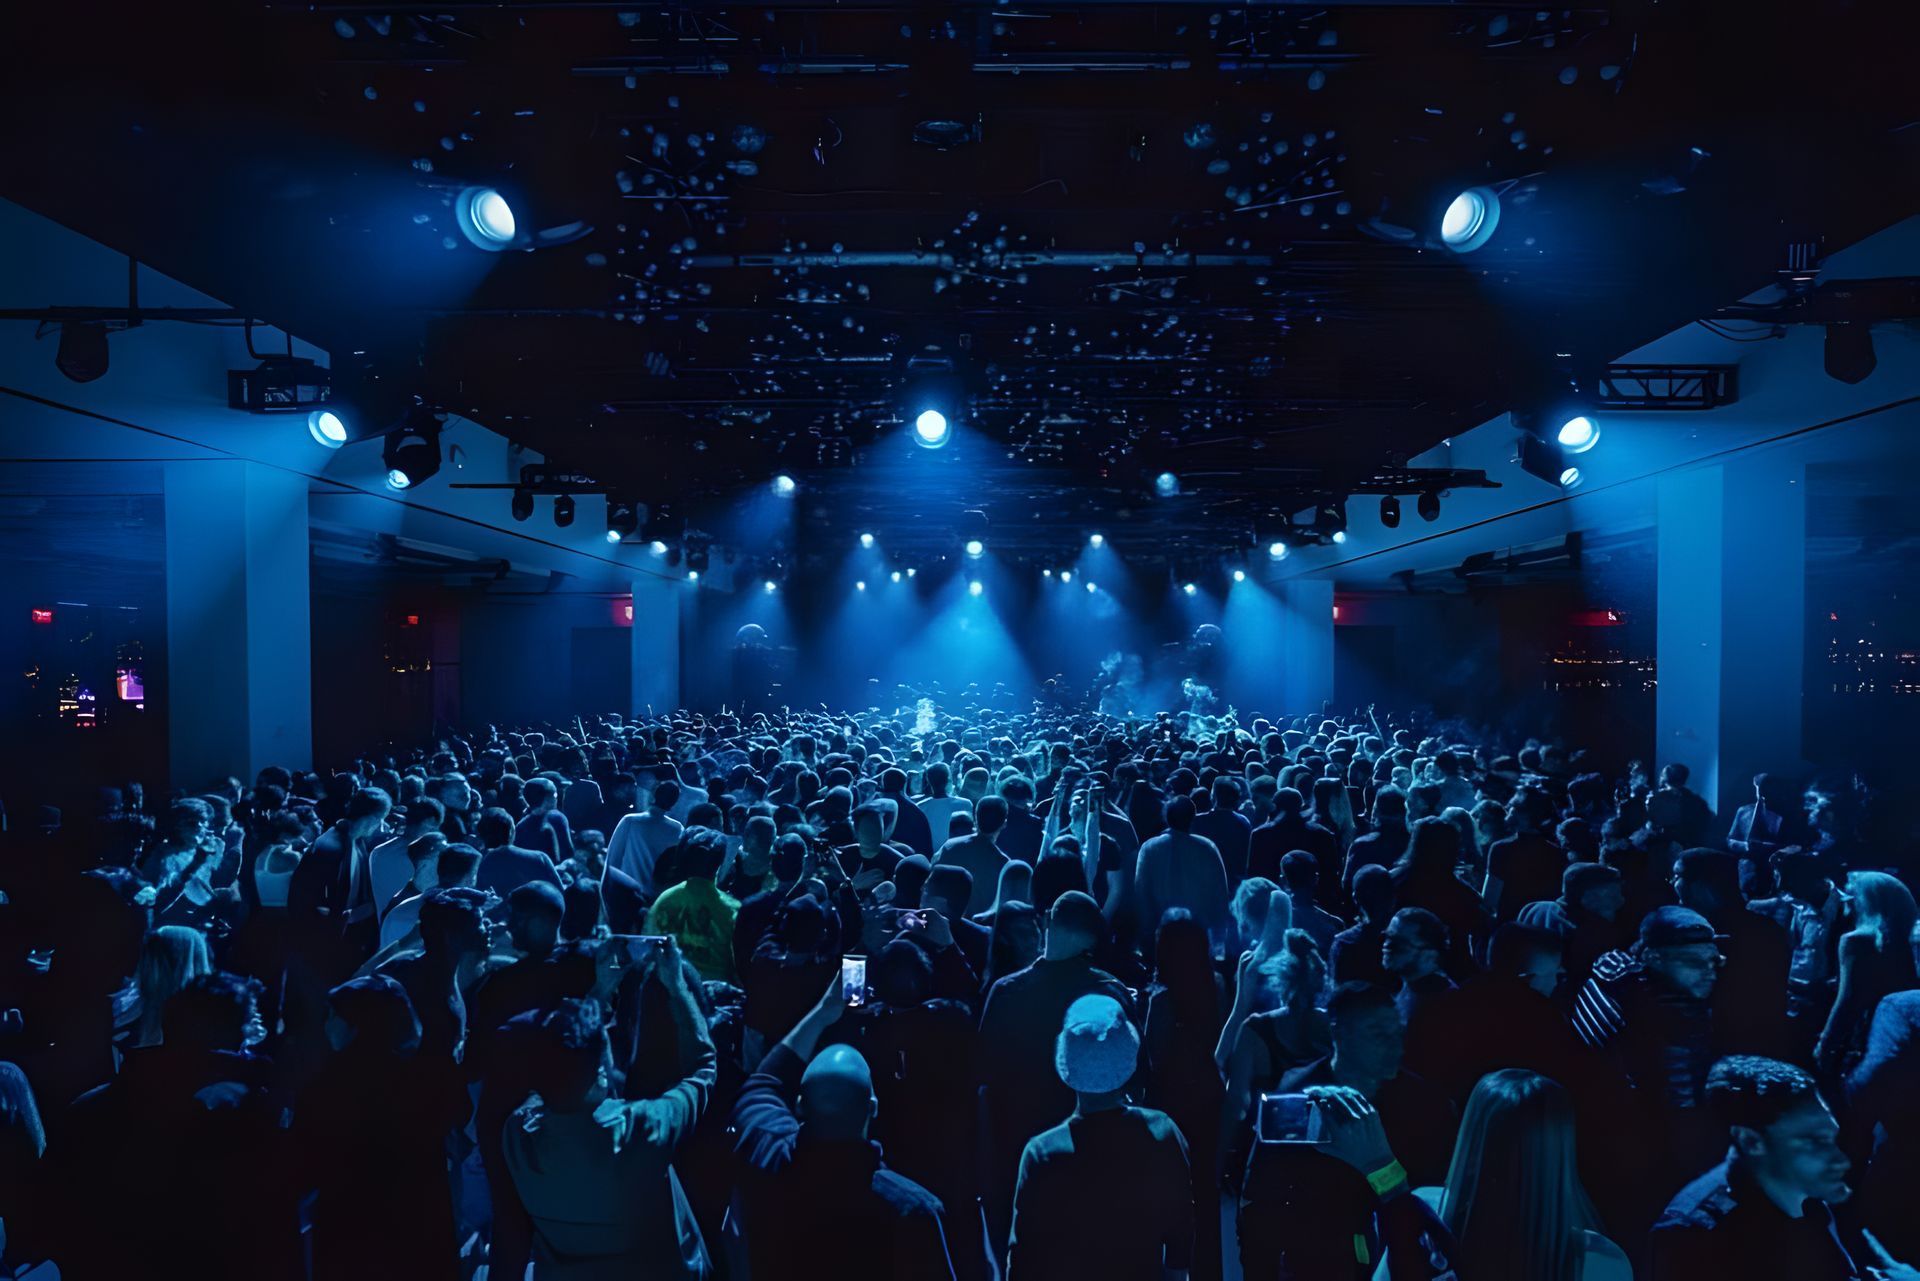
(656, 644)
(1305, 649)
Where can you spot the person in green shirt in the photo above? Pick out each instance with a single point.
(695, 912)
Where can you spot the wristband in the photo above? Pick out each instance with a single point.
(1387, 1178)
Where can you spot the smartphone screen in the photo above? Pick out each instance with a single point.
(853, 979)
(1287, 1118)
(639, 946)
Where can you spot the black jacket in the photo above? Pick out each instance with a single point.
(1722, 1226)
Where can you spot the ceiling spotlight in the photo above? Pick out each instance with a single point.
(783, 486)
(1339, 536)
(866, 540)
(770, 586)
(1390, 512)
(485, 218)
(1578, 434)
(896, 576)
(613, 535)
(860, 586)
(1239, 575)
(1547, 461)
(1429, 506)
(412, 451)
(974, 588)
(1470, 219)
(82, 354)
(930, 429)
(563, 510)
(1046, 573)
(657, 547)
(911, 571)
(1848, 353)
(327, 428)
(1096, 540)
(623, 519)
(693, 575)
(1091, 587)
(1066, 575)
(1276, 550)
(522, 504)
(699, 555)
(976, 548)
(1166, 484)
(1188, 588)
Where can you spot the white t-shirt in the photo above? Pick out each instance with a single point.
(940, 811)
(637, 842)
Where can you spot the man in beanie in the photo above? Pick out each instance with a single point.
(1107, 1192)
(1019, 1088)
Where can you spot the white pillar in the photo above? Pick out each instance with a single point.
(1732, 625)
(1305, 649)
(239, 639)
(656, 644)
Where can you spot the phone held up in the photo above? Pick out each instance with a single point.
(853, 980)
(1287, 1118)
(639, 948)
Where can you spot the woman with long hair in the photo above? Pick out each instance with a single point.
(1331, 810)
(170, 958)
(1014, 944)
(1425, 876)
(1265, 1046)
(1513, 1201)
(1183, 1019)
(1875, 959)
(23, 1141)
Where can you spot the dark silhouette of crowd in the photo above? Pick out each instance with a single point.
(962, 991)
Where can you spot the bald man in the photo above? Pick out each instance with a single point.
(817, 1198)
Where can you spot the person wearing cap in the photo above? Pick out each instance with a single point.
(1585, 917)
(1750, 1000)
(816, 1196)
(1107, 1192)
(1020, 1091)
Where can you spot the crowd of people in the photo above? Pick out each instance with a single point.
(961, 991)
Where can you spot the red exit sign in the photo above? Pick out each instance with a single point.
(42, 617)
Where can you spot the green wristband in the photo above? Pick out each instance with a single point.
(1387, 1178)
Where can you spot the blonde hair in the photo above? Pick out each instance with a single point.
(170, 958)
(1513, 1199)
(1883, 907)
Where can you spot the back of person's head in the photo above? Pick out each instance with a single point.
(1708, 880)
(1528, 953)
(990, 815)
(1182, 955)
(1300, 872)
(495, 828)
(1513, 1198)
(937, 777)
(212, 1012)
(1298, 972)
(702, 852)
(573, 1052)
(1432, 851)
(171, 957)
(424, 814)
(23, 1136)
(453, 921)
(900, 974)
(1747, 1091)
(1074, 926)
(373, 1014)
(789, 857)
(1389, 803)
(1288, 802)
(893, 781)
(837, 1103)
(1057, 873)
(1017, 790)
(1675, 775)
(666, 795)
(534, 912)
(949, 888)
(1428, 930)
(1798, 872)
(458, 864)
(368, 806)
(1249, 906)
(1178, 813)
(1882, 907)
(1373, 892)
(707, 814)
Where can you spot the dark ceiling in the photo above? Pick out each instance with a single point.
(1110, 238)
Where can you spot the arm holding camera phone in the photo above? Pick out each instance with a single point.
(669, 1117)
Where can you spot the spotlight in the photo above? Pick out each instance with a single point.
(693, 575)
(1339, 536)
(1429, 507)
(974, 588)
(895, 575)
(623, 519)
(1547, 461)
(1849, 352)
(82, 355)
(1166, 484)
(1096, 540)
(1188, 588)
(911, 571)
(412, 451)
(783, 486)
(860, 586)
(1239, 575)
(770, 586)
(930, 429)
(1091, 587)
(1046, 573)
(327, 428)
(1276, 550)
(1470, 220)
(699, 555)
(1390, 512)
(1066, 575)
(657, 547)
(563, 510)
(976, 548)
(522, 504)
(866, 540)
(485, 218)
(1578, 434)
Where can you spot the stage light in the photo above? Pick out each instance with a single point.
(563, 510)
(1546, 461)
(613, 535)
(1096, 540)
(911, 571)
(82, 354)
(974, 588)
(860, 586)
(412, 451)
(930, 429)
(783, 486)
(771, 586)
(1470, 219)
(1239, 575)
(1390, 512)
(1066, 575)
(693, 575)
(522, 504)
(1339, 536)
(1276, 550)
(1188, 588)
(327, 428)
(1091, 587)
(657, 547)
(1166, 484)
(896, 575)
(1848, 355)
(485, 218)
(866, 540)
(623, 519)
(1429, 507)
(976, 548)
(1046, 573)
(1578, 434)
